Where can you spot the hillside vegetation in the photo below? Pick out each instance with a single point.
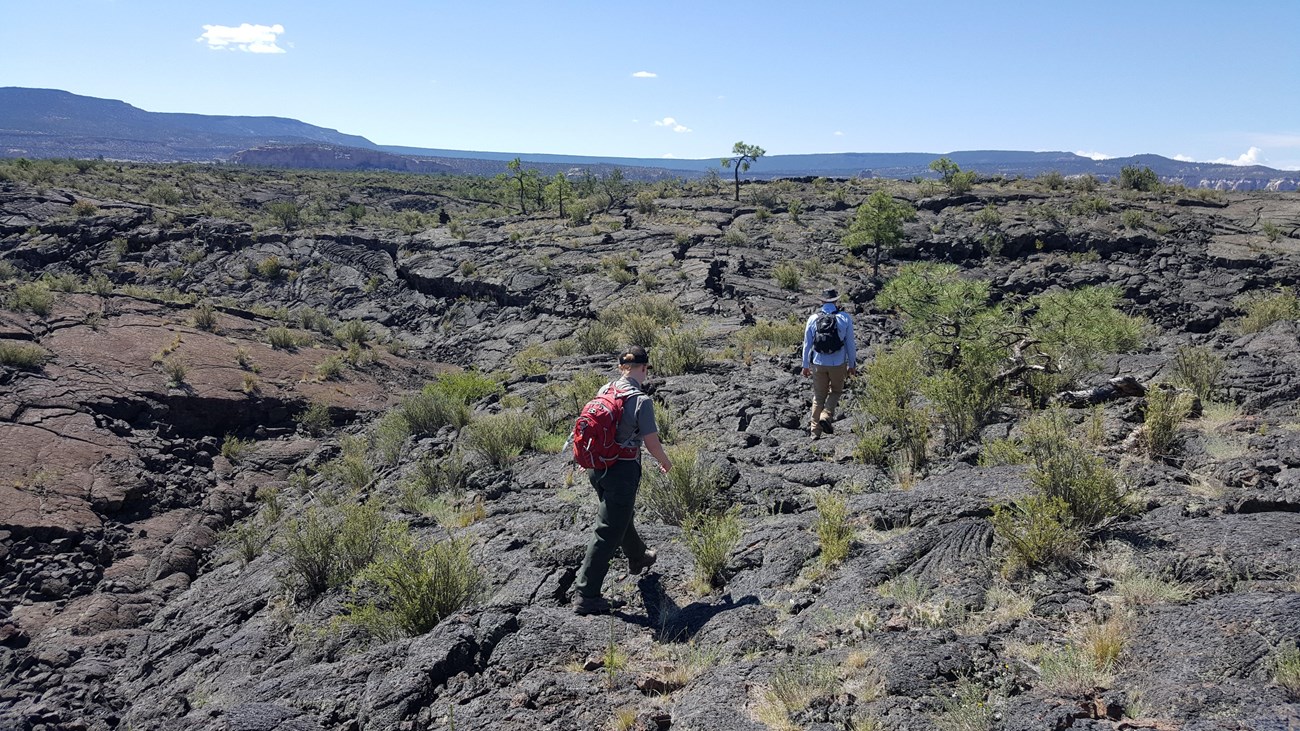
(284, 450)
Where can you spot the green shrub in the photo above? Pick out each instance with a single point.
(795, 209)
(1132, 177)
(690, 486)
(1052, 180)
(428, 411)
(315, 419)
(1076, 327)
(769, 336)
(710, 538)
(160, 194)
(645, 202)
(466, 387)
(287, 213)
(353, 331)
(1065, 469)
(205, 317)
(1037, 531)
(1085, 183)
(326, 548)
(281, 338)
(331, 368)
(1001, 452)
(1166, 410)
(175, 369)
(500, 438)
(248, 539)
(871, 443)
(390, 434)
(663, 311)
(964, 397)
(7, 271)
(967, 708)
(1090, 206)
(431, 476)
(597, 338)
(798, 682)
(834, 531)
(1263, 310)
(309, 319)
(1198, 369)
(33, 297)
(1285, 661)
(988, 217)
(269, 268)
(23, 356)
(1270, 231)
(84, 209)
(640, 329)
(1132, 219)
(787, 276)
(893, 383)
(679, 352)
(233, 448)
(351, 469)
(410, 589)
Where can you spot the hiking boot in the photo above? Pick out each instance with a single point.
(585, 605)
(815, 431)
(826, 426)
(636, 566)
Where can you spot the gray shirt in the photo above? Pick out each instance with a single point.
(638, 415)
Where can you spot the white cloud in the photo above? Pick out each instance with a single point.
(668, 156)
(839, 133)
(247, 37)
(1253, 156)
(1094, 155)
(672, 124)
(1184, 158)
(645, 75)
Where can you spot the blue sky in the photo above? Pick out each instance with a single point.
(1195, 79)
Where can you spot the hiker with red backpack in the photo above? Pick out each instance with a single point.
(607, 439)
(829, 357)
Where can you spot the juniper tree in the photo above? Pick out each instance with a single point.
(518, 173)
(742, 156)
(879, 224)
(558, 189)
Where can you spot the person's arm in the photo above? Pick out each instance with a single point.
(851, 352)
(807, 346)
(656, 449)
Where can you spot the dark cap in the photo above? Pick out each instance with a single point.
(635, 355)
(830, 295)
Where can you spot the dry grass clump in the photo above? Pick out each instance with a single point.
(833, 528)
(25, 356)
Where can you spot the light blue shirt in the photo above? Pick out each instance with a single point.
(848, 354)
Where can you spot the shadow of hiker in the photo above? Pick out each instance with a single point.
(672, 623)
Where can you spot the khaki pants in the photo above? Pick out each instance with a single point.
(828, 385)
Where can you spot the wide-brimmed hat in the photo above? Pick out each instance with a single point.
(635, 355)
(830, 295)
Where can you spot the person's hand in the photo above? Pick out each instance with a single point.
(665, 466)
(806, 372)
(853, 372)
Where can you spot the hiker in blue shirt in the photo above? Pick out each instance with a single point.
(829, 357)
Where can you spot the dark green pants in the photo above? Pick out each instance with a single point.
(616, 487)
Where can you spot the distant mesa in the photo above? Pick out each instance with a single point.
(45, 123)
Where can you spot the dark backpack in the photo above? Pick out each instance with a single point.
(595, 446)
(826, 333)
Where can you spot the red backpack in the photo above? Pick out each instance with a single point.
(595, 446)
